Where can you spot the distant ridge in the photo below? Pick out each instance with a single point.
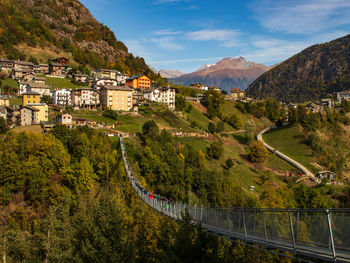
(170, 73)
(309, 75)
(226, 74)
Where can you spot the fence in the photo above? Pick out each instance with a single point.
(316, 233)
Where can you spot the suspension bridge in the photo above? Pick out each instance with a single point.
(313, 233)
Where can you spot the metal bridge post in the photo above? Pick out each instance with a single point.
(228, 220)
(208, 215)
(254, 221)
(195, 212)
(331, 234)
(216, 217)
(201, 214)
(292, 231)
(297, 233)
(265, 231)
(244, 225)
(273, 222)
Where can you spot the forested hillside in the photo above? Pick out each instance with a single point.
(309, 75)
(36, 30)
(65, 197)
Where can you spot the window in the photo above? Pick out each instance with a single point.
(28, 96)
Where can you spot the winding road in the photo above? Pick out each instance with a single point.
(298, 165)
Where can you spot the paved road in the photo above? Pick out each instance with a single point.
(298, 165)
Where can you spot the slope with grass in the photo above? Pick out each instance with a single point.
(243, 172)
(58, 83)
(290, 141)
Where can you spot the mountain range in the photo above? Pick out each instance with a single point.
(226, 74)
(309, 75)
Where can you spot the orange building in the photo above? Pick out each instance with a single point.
(139, 82)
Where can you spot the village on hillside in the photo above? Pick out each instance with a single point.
(102, 89)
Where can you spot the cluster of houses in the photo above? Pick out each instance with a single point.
(105, 89)
(319, 106)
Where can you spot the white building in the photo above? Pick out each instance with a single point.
(98, 84)
(62, 97)
(64, 119)
(344, 95)
(165, 95)
(85, 98)
(39, 88)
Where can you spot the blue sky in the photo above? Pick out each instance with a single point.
(185, 34)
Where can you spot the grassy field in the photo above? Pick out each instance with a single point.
(198, 117)
(244, 174)
(15, 100)
(9, 82)
(56, 83)
(290, 141)
(228, 109)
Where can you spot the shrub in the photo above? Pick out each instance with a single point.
(220, 127)
(215, 150)
(229, 163)
(110, 114)
(258, 152)
(211, 127)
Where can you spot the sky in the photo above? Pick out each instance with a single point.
(185, 34)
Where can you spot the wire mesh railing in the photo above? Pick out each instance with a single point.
(317, 233)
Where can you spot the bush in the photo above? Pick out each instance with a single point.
(235, 121)
(3, 125)
(229, 163)
(215, 150)
(46, 99)
(108, 113)
(220, 127)
(150, 128)
(258, 152)
(211, 127)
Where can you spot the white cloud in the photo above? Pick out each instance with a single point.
(167, 43)
(209, 34)
(228, 37)
(137, 48)
(166, 32)
(300, 16)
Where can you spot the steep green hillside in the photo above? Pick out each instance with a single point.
(35, 30)
(309, 75)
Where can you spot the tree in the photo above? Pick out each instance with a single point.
(273, 109)
(150, 129)
(33, 60)
(189, 108)
(220, 127)
(216, 150)
(109, 113)
(258, 152)
(235, 121)
(250, 128)
(3, 125)
(213, 101)
(46, 99)
(345, 106)
(180, 103)
(229, 163)
(211, 127)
